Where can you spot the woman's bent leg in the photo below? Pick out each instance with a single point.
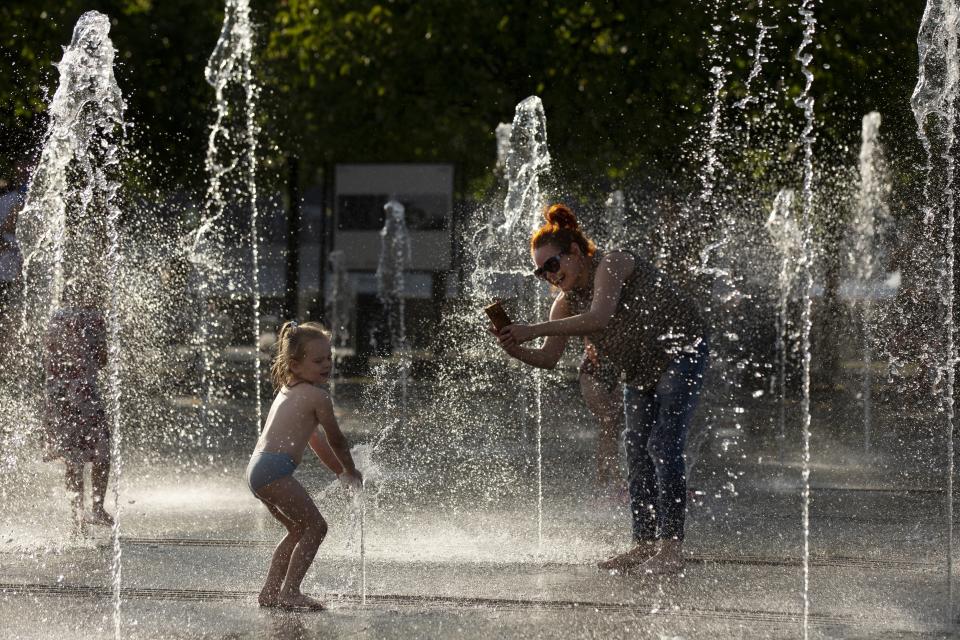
(640, 408)
(677, 395)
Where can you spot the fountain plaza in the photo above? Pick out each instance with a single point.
(820, 472)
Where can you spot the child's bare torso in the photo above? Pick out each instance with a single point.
(291, 421)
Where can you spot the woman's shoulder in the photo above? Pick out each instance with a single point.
(618, 261)
(618, 254)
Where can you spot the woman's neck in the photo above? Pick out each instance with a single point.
(586, 273)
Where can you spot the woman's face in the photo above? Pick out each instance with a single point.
(560, 268)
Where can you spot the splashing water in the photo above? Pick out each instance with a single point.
(787, 238)
(338, 300)
(231, 165)
(934, 106)
(871, 216)
(805, 102)
(395, 253)
(70, 222)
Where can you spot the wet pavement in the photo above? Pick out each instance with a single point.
(477, 560)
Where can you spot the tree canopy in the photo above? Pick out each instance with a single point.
(626, 85)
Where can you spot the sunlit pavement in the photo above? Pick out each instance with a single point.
(479, 562)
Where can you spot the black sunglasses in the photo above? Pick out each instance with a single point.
(552, 265)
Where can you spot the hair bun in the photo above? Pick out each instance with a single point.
(561, 216)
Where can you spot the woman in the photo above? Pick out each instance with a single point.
(642, 330)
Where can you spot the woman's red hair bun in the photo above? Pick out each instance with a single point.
(561, 216)
(561, 229)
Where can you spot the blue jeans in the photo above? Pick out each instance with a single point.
(657, 421)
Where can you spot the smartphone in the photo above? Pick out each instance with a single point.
(497, 315)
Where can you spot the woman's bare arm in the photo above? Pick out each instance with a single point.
(608, 281)
(547, 355)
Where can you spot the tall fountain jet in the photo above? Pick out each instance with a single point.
(806, 102)
(522, 153)
(871, 216)
(395, 253)
(934, 103)
(231, 165)
(339, 301)
(528, 161)
(788, 240)
(69, 226)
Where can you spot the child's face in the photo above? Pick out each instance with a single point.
(315, 365)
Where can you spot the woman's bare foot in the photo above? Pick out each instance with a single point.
(98, 515)
(299, 601)
(668, 561)
(642, 552)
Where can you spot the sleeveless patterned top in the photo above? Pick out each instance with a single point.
(653, 323)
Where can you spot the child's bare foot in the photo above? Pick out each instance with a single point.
(640, 553)
(269, 598)
(299, 601)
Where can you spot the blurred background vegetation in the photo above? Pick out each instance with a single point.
(626, 85)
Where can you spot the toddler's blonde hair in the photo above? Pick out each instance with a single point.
(290, 344)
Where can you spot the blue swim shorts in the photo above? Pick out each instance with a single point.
(266, 467)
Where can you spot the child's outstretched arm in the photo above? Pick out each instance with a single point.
(326, 455)
(335, 439)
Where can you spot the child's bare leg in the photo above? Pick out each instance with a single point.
(280, 562)
(99, 476)
(74, 477)
(295, 503)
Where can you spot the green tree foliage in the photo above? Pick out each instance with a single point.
(162, 48)
(626, 85)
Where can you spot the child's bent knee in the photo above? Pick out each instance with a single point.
(315, 531)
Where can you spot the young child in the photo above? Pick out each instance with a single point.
(302, 362)
(75, 422)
